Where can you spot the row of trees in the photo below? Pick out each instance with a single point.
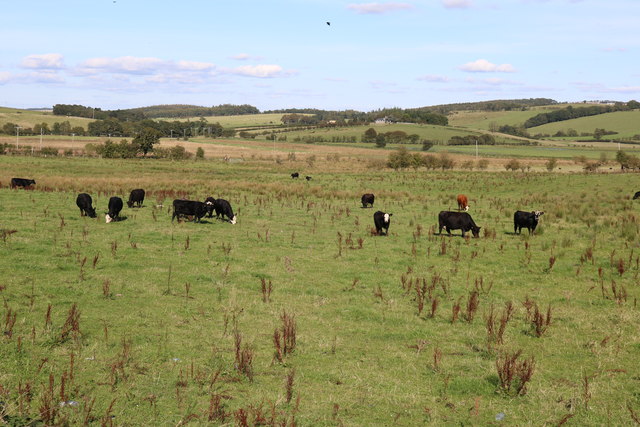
(157, 111)
(570, 112)
(58, 128)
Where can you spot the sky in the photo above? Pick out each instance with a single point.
(326, 54)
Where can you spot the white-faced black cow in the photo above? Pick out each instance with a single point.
(209, 201)
(382, 221)
(189, 208)
(528, 220)
(368, 199)
(136, 198)
(457, 221)
(636, 196)
(223, 208)
(295, 175)
(115, 206)
(22, 182)
(83, 201)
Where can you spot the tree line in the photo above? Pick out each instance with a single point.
(570, 112)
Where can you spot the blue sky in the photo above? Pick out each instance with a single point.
(282, 54)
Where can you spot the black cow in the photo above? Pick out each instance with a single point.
(210, 202)
(368, 199)
(189, 208)
(22, 182)
(636, 196)
(223, 208)
(295, 175)
(308, 178)
(528, 220)
(83, 201)
(457, 221)
(115, 206)
(136, 197)
(382, 220)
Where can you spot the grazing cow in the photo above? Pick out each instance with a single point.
(382, 220)
(308, 178)
(22, 182)
(368, 199)
(463, 203)
(83, 201)
(136, 197)
(636, 196)
(209, 201)
(528, 220)
(115, 206)
(223, 208)
(295, 175)
(457, 221)
(189, 208)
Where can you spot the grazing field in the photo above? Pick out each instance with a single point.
(298, 314)
(28, 118)
(623, 122)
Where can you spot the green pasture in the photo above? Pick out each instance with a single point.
(28, 118)
(484, 119)
(146, 321)
(241, 121)
(626, 123)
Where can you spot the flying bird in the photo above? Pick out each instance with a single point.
(328, 23)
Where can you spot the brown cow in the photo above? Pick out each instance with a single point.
(463, 203)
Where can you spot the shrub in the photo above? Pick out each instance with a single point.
(426, 145)
(483, 164)
(512, 165)
(551, 164)
(199, 154)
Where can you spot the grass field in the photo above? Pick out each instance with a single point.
(27, 118)
(149, 322)
(623, 122)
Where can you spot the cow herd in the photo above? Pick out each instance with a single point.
(196, 210)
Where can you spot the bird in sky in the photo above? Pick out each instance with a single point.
(328, 23)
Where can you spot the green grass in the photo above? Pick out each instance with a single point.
(364, 356)
(28, 118)
(623, 122)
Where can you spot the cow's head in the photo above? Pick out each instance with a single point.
(233, 220)
(466, 208)
(387, 217)
(107, 218)
(476, 231)
(91, 212)
(537, 214)
(130, 203)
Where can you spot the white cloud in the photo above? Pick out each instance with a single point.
(260, 71)
(124, 65)
(194, 66)
(378, 8)
(4, 77)
(457, 4)
(484, 66)
(48, 61)
(432, 78)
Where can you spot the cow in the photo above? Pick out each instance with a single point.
(457, 221)
(83, 201)
(308, 178)
(528, 220)
(382, 220)
(136, 198)
(115, 206)
(295, 175)
(368, 199)
(463, 203)
(223, 208)
(636, 196)
(22, 182)
(209, 201)
(189, 208)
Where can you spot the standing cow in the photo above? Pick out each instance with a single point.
(295, 175)
(223, 208)
(636, 196)
(136, 198)
(368, 199)
(463, 203)
(189, 208)
(382, 221)
(210, 202)
(115, 206)
(528, 220)
(22, 182)
(457, 221)
(83, 201)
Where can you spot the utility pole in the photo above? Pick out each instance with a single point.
(476, 149)
(17, 135)
(41, 132)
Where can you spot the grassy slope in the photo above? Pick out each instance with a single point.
(363, 355)
(27, 118)
(623, 122)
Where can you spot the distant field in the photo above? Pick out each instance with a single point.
(27, 118)
(483, 119)
(626, 123)
(245, 120)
